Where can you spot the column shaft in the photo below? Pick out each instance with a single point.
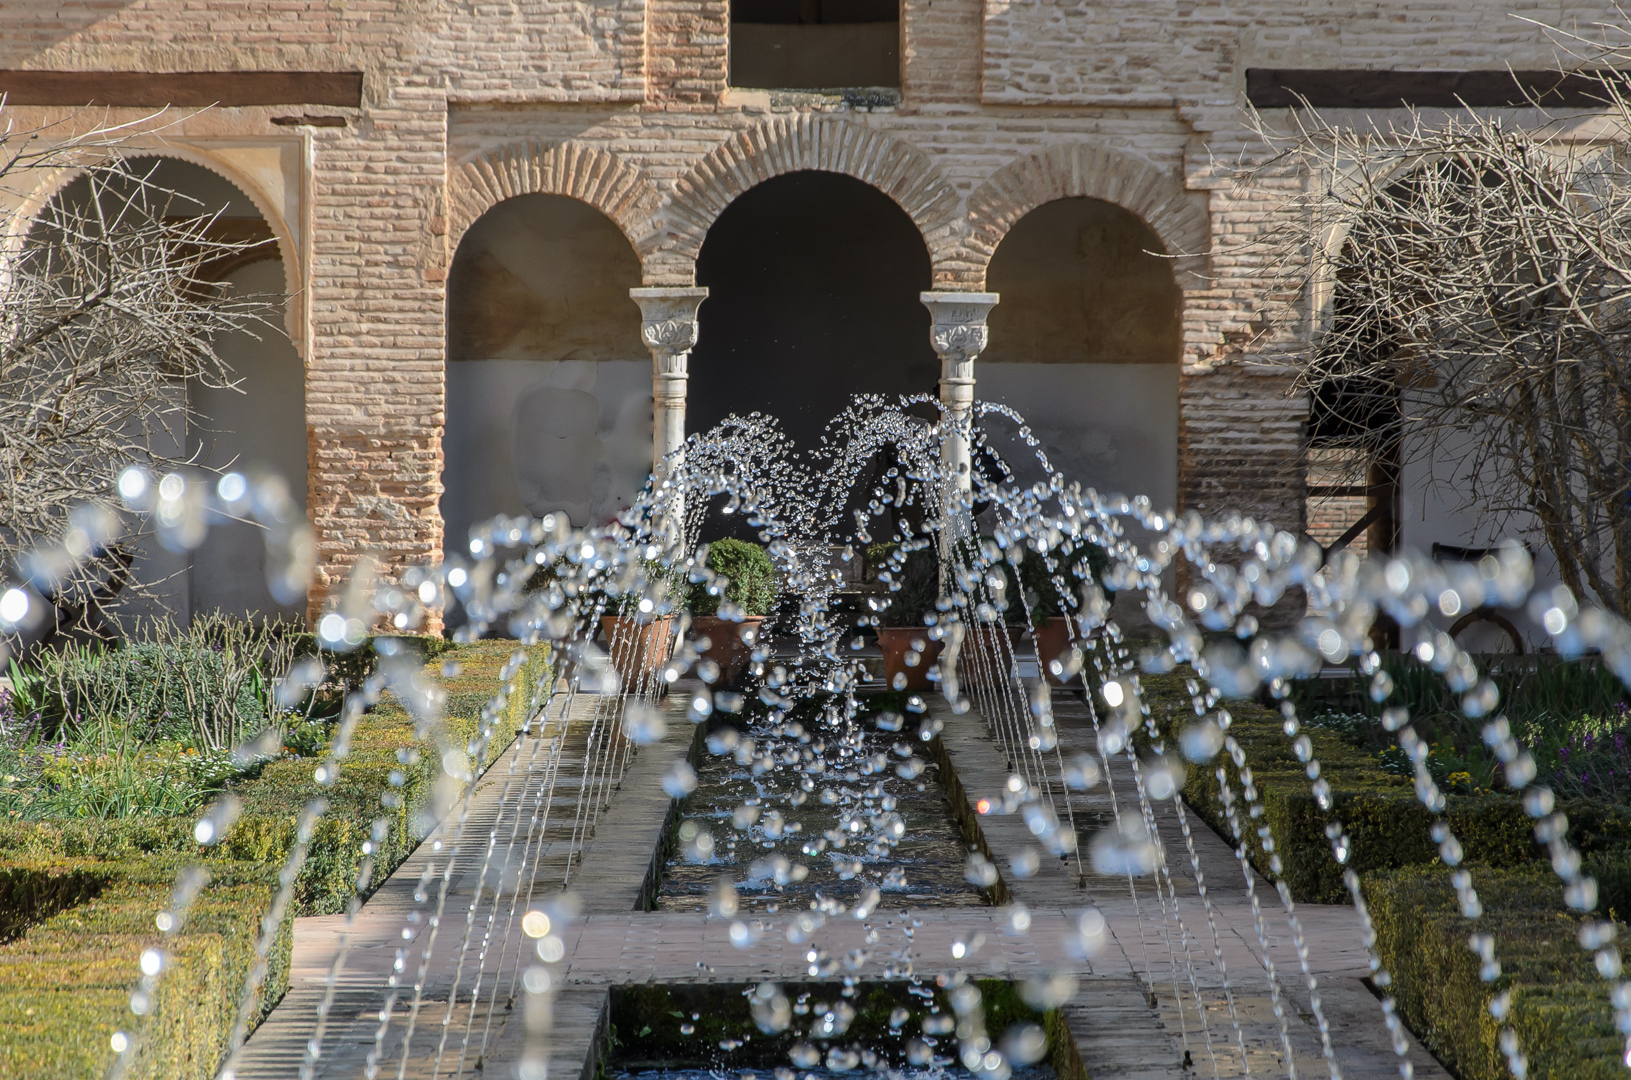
(958, 334)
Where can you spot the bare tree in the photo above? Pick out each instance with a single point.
(109, 309)
(1468, 286)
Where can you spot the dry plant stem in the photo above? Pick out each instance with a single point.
(1466, 284)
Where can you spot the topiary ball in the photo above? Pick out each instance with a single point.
(752, 584)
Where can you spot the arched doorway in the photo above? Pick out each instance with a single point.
(1085, 345)
(813, 282)
(256, 425)
(548, 383)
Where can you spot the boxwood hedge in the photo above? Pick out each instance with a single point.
(1559, 1006)
(78, 898)
(1388, 826)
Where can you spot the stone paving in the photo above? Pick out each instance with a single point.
(1154, 1003)
(1192, 969)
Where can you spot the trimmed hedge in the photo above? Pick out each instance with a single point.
(1388, 826)
(1559, 1006)
(65, 985)
(30, 894)
(92, 888)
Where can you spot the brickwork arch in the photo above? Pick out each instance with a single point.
(1072, 170)
(586, 173)
(794, 144)
(51, 183)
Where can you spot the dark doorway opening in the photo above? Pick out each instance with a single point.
(813, 282)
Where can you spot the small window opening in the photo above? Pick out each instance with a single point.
(815, 44)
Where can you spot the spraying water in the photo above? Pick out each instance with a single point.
(828, 759)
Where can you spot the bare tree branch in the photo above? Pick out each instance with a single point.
(109, 314)
(1467, 287)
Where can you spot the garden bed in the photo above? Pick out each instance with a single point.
(1560, 1007)
(82, 894)
(1388, 825)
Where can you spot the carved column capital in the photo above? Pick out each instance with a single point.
(668, 326)
(668, 320)
(958, 333)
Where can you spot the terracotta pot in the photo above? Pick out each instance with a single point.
(726, 646)
(896, 642)
(987, 655)
(638, 648)
(1053, 643)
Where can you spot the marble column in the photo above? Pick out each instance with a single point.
(958, 334)
(668, 326)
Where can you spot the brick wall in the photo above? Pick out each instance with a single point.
(1166, 52)
(687, 53)
(374, 387)
(624, 104)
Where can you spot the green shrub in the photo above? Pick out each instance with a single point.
(1388, 825)
(917, 575)
(65, 982)
(752, 579)
(1559, 1005)
(207, 685)
(1044, 598)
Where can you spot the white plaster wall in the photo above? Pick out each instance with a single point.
(167, 584)
(1431, 513)
(258, 427)
(537, 436)
(1113, 427)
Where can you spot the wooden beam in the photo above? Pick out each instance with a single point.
(1376, 513)
(1349, 88)
(184, 89)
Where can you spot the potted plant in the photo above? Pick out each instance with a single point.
(914, 576)
(1051, 606)
(639, 627)
(729, 614)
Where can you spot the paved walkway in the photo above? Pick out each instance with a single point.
(1154, 1003)
(1208, 939)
